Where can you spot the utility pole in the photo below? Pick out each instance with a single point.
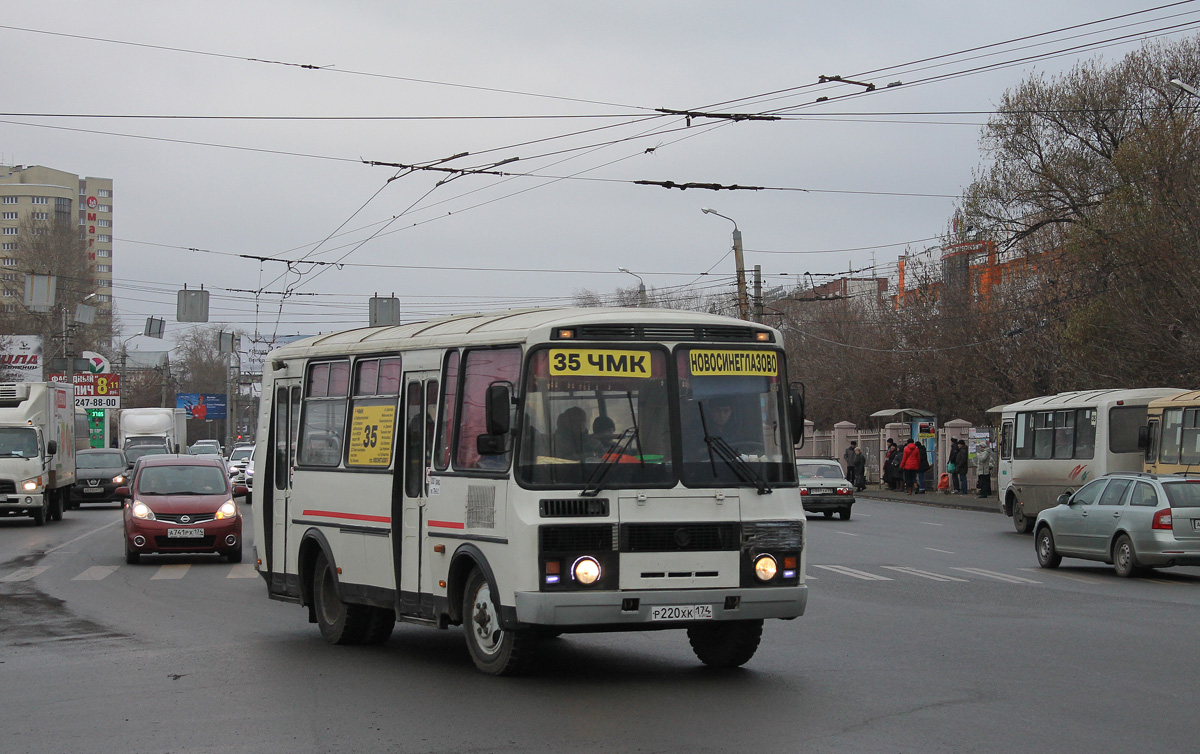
(743, 304)
(758, 297)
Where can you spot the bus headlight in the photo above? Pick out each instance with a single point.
(142, 511)
(586, 570)
(765, 567)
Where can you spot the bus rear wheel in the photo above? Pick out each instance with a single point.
(726, 645)
(340, 623)
(494, 650)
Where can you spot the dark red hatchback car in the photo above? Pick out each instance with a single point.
(179, 504)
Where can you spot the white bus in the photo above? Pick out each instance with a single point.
(1056, 443)
(535, 472)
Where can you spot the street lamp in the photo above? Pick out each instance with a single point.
(743, 303)
(1182, 86)
(641, 286)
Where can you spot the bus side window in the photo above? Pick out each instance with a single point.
(482, 367)
(1085, 432)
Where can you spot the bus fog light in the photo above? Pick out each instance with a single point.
(765, 567)
(586, 570)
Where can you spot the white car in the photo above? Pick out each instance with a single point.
(237, 462)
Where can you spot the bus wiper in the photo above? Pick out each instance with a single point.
(742, 470)
(610, 458)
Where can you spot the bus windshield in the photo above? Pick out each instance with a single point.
(591, 407)
(734, 397)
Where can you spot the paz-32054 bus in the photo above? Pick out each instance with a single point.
(531, 473)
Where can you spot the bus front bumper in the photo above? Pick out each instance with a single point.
(644, 608)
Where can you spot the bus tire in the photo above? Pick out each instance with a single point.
(340, 623)
(728, 644)
(380, 623)
(494, 650)
(1022, 523)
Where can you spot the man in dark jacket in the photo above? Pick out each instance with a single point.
(961, 457)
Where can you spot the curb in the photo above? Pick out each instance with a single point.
(935, 499)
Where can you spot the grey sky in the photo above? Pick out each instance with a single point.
(614, 59)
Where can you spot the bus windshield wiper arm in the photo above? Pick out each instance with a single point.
(742, 470)
(615, 450)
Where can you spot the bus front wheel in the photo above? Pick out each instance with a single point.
(1022, 523)
(726, 645)
(494, 650)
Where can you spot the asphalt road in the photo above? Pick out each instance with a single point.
(928, 630)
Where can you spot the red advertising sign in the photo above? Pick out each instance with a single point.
(94, 390)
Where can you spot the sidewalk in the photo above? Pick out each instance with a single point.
(941, 499)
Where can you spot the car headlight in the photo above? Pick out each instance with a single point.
(118, 479)
(227, 510)
(142, 511)
(31, 485)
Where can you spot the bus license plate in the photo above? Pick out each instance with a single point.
(681, 612)
(184, 533)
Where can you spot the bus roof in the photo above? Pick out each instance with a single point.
(1076, 398)
(1191, 397)
(512, 326)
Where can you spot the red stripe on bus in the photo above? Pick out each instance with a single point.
(447, 524)
(350, 516)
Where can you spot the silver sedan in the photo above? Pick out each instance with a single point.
(1129, 520)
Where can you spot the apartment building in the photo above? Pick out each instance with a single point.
(41, 194)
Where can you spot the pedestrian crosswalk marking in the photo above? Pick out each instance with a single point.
(243, 571)
(854, 573)
(25, 574)
(95, 573)
(924, 574)
(998, 576)
(171, 571)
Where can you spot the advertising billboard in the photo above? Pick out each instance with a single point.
(202, 405)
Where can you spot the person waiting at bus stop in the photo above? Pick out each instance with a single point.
(910, 462)
(983, 469)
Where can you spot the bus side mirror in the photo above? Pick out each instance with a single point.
(51, 447)
(796, 413)
(496, 408)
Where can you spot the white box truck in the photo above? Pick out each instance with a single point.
(37, 449)
(166, 427)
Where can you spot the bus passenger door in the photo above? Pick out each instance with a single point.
(420, 412)
(277, 478)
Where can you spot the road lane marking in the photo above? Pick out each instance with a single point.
(855, 573)
(925, 574)
(95, 573)
(171, 571)
(934, 549)
(848, 534)
(81, 536)
(25, 574)
(243, 571)
(930, 523)
(998, 576)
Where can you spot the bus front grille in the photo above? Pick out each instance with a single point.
(682, 537)
(574, 506)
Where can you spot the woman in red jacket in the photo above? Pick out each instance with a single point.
(910, 464)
